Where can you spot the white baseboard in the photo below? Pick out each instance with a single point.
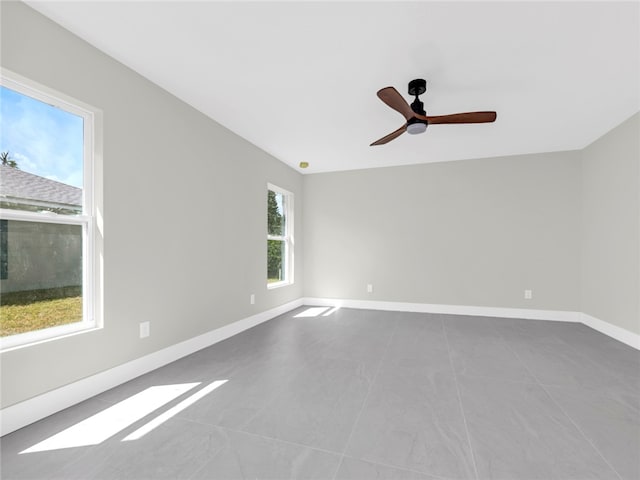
(554, 315)
(24, 413)
(613, 331)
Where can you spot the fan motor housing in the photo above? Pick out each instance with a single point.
(415, 126)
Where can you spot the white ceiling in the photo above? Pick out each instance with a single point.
(299, 79)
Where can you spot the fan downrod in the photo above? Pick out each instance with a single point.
(417, 87)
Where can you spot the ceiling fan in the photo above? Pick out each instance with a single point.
(417, 118)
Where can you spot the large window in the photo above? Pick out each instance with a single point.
(279, 237)
(48, 214)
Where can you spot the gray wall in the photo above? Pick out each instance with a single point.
(611, 227)
(565, 225)
(184, 212)
(474, 232)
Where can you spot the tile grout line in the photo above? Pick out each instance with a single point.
(366, 398)
(270, 401)
(544, 388)
(587, 357)
(491, 377)
(257, 435)
(402, 469)
(330, 452)
(464, 417)
(309, 447)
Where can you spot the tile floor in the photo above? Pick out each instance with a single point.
(360, 394)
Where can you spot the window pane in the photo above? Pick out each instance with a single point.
(41, 156)
(275, 213)
(275, 260)
(43, 286)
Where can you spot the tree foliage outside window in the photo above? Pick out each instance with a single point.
(5, 159)
(276, 220)
(274, 261)
(278, 236)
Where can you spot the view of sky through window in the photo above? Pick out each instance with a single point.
(43, 261)
(42, 139)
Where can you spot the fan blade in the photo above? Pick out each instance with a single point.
(469, 117)
(392, 97)
(391, 136)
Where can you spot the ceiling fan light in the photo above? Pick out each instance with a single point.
(415, 128)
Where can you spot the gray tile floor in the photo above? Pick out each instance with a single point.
(360, 394)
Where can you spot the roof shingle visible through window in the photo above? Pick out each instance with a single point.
(16, 184)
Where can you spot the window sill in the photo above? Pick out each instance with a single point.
(271, 286)
(30, 339)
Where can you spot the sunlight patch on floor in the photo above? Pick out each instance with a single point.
(101, 426)
(330, 312)
(316, 312)
(160, 419)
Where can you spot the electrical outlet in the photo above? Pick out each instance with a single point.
(252, 299)
(528, 294)
(369, 288)
(145, 329)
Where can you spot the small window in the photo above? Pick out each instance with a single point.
(48, 212)
(279, 237)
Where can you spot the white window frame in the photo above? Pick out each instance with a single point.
(90, 219)
(288, 237)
